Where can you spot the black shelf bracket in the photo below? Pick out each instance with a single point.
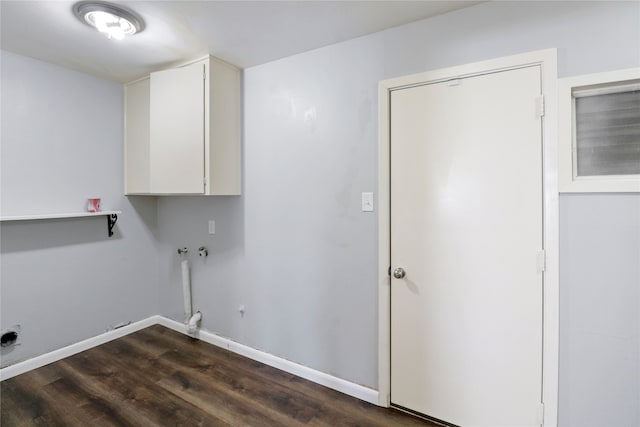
(111, 222)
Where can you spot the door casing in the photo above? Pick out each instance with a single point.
(547, 59)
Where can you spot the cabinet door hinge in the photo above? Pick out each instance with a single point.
(541, 261)
(539, 102)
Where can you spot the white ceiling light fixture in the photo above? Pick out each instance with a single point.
(108, 18)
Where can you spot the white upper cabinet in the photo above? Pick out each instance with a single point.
(193, 144)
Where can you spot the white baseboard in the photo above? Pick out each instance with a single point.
(358, 391)
(70, 350)
(361, 392)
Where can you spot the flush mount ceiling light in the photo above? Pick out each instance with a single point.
(108, 18)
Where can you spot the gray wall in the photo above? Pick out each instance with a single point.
(64, 280)
(600, 312)
(297, 251)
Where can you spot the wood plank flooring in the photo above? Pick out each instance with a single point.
(158, 377)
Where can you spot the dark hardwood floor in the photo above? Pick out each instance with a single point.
(158, 377)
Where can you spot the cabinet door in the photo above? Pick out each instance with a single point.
(136, 154)
(177, 130)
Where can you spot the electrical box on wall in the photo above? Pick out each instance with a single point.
(9, 338)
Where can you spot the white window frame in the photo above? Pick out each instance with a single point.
(599, 83)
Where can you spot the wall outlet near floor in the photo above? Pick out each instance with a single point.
(212, 227)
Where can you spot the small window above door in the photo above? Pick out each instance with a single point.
(599, 141)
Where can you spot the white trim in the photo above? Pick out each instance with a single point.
(551, 243)
(568, 89)
(70, 350)
(335, 383)
(358, 391)
(606, 90)
(547, 60)
(384, 247)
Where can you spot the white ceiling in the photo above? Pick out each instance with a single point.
(245, 33)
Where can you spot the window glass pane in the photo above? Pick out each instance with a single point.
(608, 134)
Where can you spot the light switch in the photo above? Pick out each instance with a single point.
(367, 202)
(212, 227)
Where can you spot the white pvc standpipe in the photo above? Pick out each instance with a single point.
(186, 290)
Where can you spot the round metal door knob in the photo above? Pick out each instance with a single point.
(399, 273)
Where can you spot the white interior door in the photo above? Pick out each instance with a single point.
(177, 130)
(466, 227)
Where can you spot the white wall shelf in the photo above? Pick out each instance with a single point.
(112, 217)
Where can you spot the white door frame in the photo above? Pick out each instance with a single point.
(547, 60)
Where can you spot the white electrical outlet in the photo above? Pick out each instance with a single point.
(212, 227)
